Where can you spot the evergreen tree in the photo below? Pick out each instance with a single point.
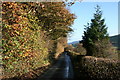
(96, 31)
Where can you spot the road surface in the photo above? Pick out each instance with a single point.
(62, 70)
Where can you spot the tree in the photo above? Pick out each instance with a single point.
(95, 34)
(30, 31)
(56, 19)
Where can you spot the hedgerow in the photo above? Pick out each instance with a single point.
(27, 30)
(101, 68)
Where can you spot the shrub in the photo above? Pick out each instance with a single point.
(80, 49)
(101, 68)
(103, 49)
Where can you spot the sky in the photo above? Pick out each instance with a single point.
(84, 13)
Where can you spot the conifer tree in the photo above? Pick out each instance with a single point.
(96, 31)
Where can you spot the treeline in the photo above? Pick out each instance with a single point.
(30, 32)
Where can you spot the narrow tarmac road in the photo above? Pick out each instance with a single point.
(62, 70)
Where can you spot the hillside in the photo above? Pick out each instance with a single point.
(74, 42)
(115, 40)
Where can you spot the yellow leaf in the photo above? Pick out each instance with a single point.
(17, 32)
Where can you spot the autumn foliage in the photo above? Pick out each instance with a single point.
(27, 30)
